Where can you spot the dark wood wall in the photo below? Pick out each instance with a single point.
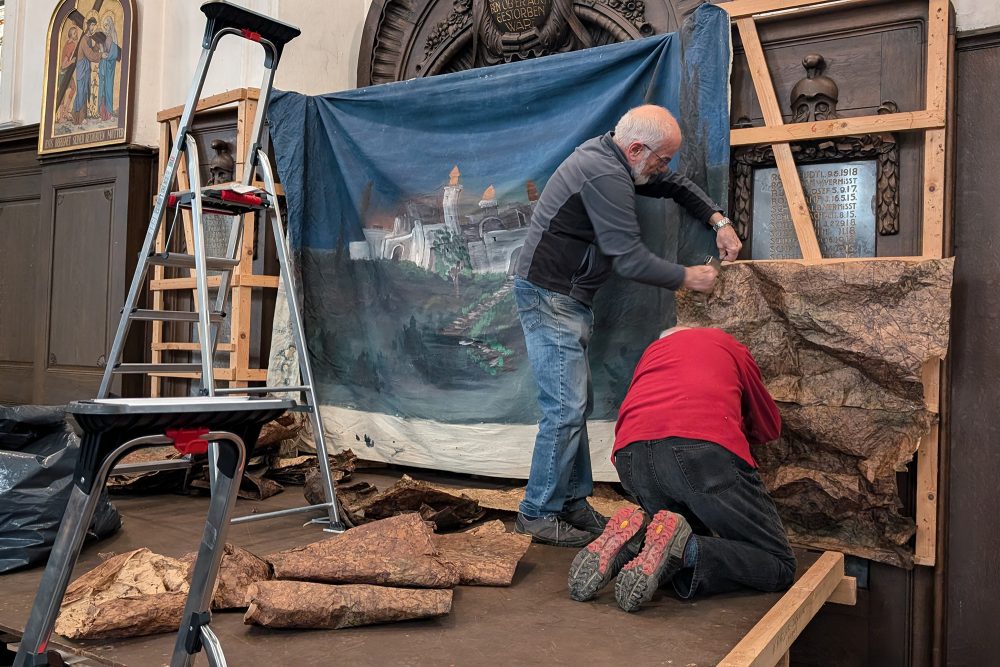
(972, 513)
(71, 228)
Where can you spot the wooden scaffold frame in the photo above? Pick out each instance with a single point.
(238, 372)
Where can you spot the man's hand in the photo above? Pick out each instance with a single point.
(699, 278)
(728, 242)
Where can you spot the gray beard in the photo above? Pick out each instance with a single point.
(637, 176)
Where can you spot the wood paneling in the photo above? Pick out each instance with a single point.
(67, 254)
(972, 577)
(19, 210)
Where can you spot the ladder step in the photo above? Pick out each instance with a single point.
(172, 315)
(183, 261)
(125, 369)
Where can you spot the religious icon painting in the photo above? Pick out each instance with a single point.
(89, 62)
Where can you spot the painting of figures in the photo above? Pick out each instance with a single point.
(88, 72)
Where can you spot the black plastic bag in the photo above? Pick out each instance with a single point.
(38, 453)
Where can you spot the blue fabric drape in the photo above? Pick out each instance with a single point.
(406, 203)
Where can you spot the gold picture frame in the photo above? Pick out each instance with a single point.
(89, 74)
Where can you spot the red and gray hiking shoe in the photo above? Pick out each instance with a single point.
(662, 556)
(598, 563)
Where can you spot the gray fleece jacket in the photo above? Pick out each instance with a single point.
(584, 224)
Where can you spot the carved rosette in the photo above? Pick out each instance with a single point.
(447, 28)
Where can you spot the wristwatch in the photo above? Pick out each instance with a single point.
(721, 223)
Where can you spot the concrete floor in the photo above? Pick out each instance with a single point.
(533, 622)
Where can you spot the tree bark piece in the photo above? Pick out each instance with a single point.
(298, 604)
(129, 595)
(486, 555)
(841, 347)
(238, 570)
(392, 552)
(445, 508)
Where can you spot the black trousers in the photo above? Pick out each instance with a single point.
(741, 542)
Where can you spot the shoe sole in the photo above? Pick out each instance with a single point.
(661, 557)
(554, 543)
(598, 563)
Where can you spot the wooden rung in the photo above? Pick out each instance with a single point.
(254, 280)
(226, 374)
(190, 347)
(168, 284)
(839, 127)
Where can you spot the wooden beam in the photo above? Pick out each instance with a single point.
(169, 284)
(932, 244)
(846, 592)
(773, 635)
(839, 127)
(228, 97)
(927, 471)
(797, 207)
(937, 55)
(746, 8)
(189, 347)
(830, 260)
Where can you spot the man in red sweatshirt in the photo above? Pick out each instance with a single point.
(682, 450)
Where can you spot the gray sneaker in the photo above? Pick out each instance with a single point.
(586, 518)
(552, 530)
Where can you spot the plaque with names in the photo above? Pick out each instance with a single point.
(841, 199)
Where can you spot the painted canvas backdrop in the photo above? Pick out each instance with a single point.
(407, 207)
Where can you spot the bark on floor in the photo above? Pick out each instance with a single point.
(392, 552)
(129, 595)
(237, 571)
(486, 555)
(299, 604)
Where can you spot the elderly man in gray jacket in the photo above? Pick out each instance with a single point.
(583, 228)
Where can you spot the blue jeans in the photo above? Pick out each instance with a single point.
(557, 330)
(741, 542)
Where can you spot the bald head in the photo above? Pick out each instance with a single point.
(650, 125)
(648, 136)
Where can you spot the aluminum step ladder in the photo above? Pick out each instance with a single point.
(233, 200)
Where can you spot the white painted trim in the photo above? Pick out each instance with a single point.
(12, 56)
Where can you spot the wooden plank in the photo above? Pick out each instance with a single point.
(785, 660)
(252, 280)
(937, 55)
(797, 207)
(265, 281)
(925, 549)
(846, 592)
(223, 374)
(831, 260)
(158, 271)
(773, 635)
(746, 8)
(170, 284)
(189, 347)
(211, 102)
(839, 127)
(932, 245)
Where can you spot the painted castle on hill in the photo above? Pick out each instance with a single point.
(491, 233)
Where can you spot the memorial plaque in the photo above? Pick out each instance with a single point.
(513, 16)
(841, 198)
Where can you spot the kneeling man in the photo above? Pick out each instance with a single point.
(682, 450)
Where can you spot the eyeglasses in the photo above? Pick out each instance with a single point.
(664, 162)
